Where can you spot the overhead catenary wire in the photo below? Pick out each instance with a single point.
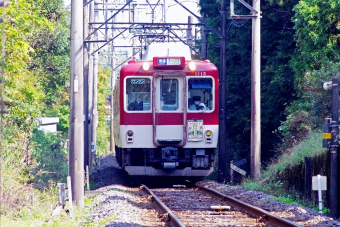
(234, 24)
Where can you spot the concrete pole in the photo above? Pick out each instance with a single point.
(164, 10)
(133, 39)
(86, 87)
(2, 102)
(106, 29)
(113, 81)
(196, 34)
(204, 43)
(95, 90)
(255, 145)
(90, 89)
(76, 123)
(189, 33)
(222, 148)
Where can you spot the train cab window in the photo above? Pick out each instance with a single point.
(200, 96)
(138, 94)
(169, 94)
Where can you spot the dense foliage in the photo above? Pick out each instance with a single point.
(315, 60)
(37, 72)
(36, 36)
(299, 51)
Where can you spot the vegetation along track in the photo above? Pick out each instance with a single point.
(193, 207)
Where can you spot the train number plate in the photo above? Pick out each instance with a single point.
(169, 61)
(195, 130)
(138, 81)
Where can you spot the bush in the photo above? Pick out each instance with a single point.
(51, 159)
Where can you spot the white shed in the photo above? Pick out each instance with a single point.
(48, 124)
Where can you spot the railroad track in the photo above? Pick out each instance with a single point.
(201, 206)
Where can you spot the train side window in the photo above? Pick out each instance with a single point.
(169, 94)
(200, 96)
(138, 94)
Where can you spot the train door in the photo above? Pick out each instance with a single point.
(169, 110)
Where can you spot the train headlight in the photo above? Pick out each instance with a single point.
(208, 136)
(192, 66)
(130, 133)
(129, 136)
(146, 66)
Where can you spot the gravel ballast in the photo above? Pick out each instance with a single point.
(300, 215)
(118, 201)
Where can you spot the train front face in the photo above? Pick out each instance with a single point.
(168, 117)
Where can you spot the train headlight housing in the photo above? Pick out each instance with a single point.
(208, 136)
(192, 66)
(130, 133)
(129, 136)
(146, 66)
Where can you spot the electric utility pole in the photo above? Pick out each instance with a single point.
(222, 97)
(113, 81)
(204, 43)
(87, 151)
(189, 33)
(95, 88)
(255, 144)
(90, 88)
(3, 3)
(255, 150)
(76, 123)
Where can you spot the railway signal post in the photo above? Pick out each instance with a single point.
(334, 207)
(76, 123)
(331, 141)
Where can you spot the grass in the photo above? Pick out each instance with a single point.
(286, 200)
(310, 146)
(40, 214)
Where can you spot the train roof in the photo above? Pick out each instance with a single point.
(167, 49)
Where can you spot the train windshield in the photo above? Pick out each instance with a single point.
(138, 94)
(169, 94)
(200, 96)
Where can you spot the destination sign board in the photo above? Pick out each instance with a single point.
(169, 61)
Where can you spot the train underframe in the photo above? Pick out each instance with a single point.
(167, 161)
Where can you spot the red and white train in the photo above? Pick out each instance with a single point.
(166, 114)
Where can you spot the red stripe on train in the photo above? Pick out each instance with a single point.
(167, 118)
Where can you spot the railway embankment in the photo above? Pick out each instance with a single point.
(289, 178)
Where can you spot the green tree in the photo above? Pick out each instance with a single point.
(315, 60)
(35, 73)
(277, 77)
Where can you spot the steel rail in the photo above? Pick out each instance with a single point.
(266, 216)
(173, 217)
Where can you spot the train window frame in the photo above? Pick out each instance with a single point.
(126, 98)
(212, 93)
(177, 104)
